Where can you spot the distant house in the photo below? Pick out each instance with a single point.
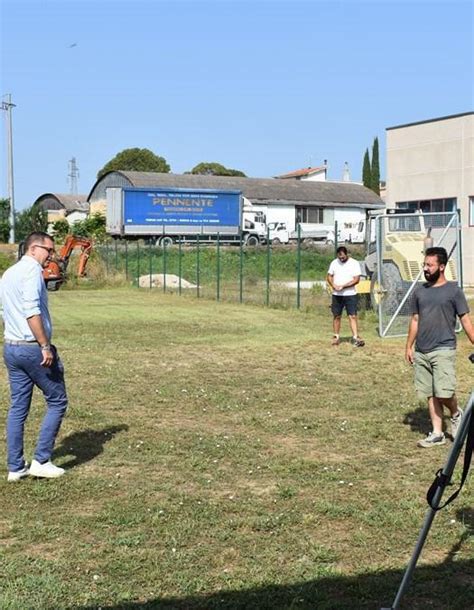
(316, 174)
(59, 205)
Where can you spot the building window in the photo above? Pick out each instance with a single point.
(312, 215)
(471, 211)
(427, 206)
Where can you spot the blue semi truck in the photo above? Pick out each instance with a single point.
(166, 215)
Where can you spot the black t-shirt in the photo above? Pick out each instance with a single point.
(437, 308)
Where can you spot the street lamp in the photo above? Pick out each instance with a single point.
(7, 105)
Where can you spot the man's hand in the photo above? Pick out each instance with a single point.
(468, 326)
(36, 325)
(48, 357)
(412, 333)
(337, 287)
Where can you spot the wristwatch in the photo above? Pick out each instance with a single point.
(46, 347)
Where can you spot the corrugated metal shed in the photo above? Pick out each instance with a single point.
(257, 190)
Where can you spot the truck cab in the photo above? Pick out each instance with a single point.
(254, 225)
(278, 233)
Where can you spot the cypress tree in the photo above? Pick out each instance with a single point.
(366, 172)
(375, 169)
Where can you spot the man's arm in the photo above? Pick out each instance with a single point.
(330, 280)
(36, 326)
(466, 323)
(356, 277)
(412, 332)
(355, 280)
(32, 287)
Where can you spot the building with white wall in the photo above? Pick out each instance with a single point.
(60, 205)
(315, 174)
(281, 200)
(430, 167)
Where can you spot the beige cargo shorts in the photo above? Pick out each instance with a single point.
(435, 373)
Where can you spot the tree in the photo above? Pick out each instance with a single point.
(93, 226)
(30, 219)
(375, 168)
(60, 229)
(136, 160)
(4, 220)
(366, 171)
(215, 169)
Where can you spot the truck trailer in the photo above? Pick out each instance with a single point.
(166, 215)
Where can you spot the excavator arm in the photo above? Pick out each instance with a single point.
(72, 242)
(54, 273)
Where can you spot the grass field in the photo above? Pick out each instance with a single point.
(226, 456)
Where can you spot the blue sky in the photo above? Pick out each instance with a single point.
(261, 86)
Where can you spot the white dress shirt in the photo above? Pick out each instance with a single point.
(23, 294)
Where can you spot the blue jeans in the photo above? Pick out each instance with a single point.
(24, 372)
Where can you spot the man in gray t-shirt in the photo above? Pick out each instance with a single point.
(434, 308)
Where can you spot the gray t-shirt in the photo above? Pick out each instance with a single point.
(437, 308)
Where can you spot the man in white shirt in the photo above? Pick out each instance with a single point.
(31, 359)
(343, 276)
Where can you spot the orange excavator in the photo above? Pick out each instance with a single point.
(54, 273)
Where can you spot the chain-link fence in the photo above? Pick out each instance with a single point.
(277, 276)
(293, 276)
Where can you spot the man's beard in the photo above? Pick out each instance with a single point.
(432, 278)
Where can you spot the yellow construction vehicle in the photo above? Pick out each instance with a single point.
(399, 242)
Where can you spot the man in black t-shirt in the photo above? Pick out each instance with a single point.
(434, 308)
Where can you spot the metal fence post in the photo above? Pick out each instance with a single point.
(459, 249)
(126, 259)
(241, 270)
(198, 262)
(138, 263)
(165, 265)
(179, 264)
(379, 268)
(269, 252)
(107, 257)
(298, 269)
(218, 268)
(150, 262)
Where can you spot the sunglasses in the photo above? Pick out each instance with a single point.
(49, 250)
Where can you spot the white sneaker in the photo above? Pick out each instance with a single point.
(19, 474)
(455, 423)
(46, 471)
(430, 441)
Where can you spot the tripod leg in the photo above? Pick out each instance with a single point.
(448, 470)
